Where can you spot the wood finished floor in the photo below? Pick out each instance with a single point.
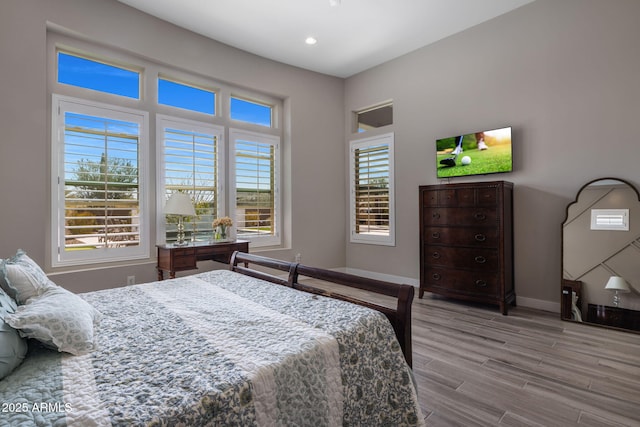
(475, 367)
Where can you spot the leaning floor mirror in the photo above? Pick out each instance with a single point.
(601, 256)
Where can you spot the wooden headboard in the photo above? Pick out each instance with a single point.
(400, 316)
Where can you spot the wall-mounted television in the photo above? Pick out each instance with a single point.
(477, 153)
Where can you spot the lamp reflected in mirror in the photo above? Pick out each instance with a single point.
(618, 285)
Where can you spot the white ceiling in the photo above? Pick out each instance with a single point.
(352, 37)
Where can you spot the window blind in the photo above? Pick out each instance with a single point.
(372, 190)
(255, 188)
(191, 166)
(101, 183)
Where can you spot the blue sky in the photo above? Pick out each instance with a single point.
(94, 75)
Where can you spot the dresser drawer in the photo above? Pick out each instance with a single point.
(461, 197)
(176, 259)
(479, 216)
(184, 262)
(449, 197)
(461, 236)
(184, 258)
(184, 252)
(208, 251)
(466, 282)
(462, 258)
(487, 196)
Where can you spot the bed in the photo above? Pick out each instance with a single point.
(258, 344)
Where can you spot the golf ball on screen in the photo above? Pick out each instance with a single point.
(466, 160)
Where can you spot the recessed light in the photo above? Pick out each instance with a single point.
(334, 3)
(311, 40)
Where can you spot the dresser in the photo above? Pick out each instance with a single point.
(174, 258)
(466, 242)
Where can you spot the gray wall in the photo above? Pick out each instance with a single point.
(313, 134)
(565, 74)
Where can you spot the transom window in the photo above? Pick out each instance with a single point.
(373, 118)
(186, 96)
(251, 112)
(95, 75)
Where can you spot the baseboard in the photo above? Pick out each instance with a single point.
(537, 304)
(379, 276)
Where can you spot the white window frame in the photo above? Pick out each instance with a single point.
(272, 111)
(610, 219)
(147, 103)
(163, 121)
(263, 138)
(59, 105)
(187, 83)
(373, 239)
(357, 116)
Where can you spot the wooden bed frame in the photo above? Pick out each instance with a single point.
(400, 317)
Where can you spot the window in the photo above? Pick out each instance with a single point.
(256, 188)
(102, 210)
(190, 163)
(185, 96)
(610, 219)
(90, 74)
(371, 190)
(98, 178)
(251, 112)
(375, 117)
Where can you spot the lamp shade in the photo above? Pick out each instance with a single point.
(179, 204)
(617, 283)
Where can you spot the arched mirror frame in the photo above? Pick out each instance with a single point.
(573, 294)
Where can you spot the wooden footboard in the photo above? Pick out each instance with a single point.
(400, 316)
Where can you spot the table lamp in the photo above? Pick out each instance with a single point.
(180, 204)
(617, 283)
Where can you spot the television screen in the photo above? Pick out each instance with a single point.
(477, 153)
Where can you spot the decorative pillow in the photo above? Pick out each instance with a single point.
(59, 319)
(13, 347)
(22, 278)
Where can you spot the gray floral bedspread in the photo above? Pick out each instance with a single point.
(219, 349)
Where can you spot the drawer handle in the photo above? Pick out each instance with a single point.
(480, 216)
(435, 235)
(436, 255)
(435, 215)
(480, 259)
(480, 237)
(481, 283)
(435, 276)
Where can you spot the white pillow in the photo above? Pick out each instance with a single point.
(59, 319)
(22, 278)
(13, 347)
